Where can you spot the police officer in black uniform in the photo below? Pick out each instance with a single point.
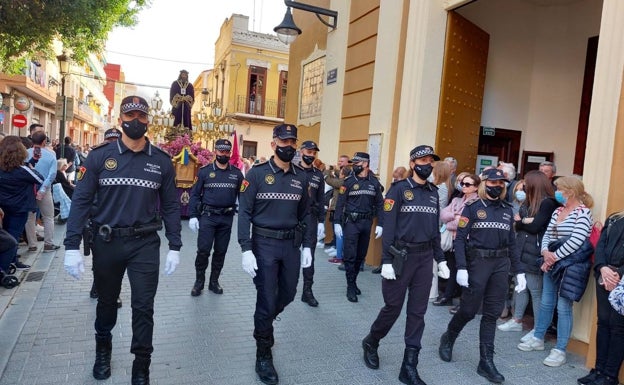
(274, 203)
(484, 252)
(316, 190)
(213, 204)
(411, 216)
(360, 200)
(131, 179)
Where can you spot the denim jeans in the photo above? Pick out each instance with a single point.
(547, 308)
(339, 243)
(14, 225)
(533, 288)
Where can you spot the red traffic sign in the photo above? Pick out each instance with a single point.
(19, 120)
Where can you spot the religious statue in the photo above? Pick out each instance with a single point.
(182, 97)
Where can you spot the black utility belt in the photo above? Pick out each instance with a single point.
(107, 232)
(357, 216)
(211, 210)
(417, 246)
(487, 253)
(275, 234)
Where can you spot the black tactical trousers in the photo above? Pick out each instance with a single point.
(356, 238)
(213, 229)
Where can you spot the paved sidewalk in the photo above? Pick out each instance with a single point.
(48, 333)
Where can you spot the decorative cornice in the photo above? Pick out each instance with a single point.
(259, 40)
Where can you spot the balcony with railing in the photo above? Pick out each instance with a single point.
(254, 105)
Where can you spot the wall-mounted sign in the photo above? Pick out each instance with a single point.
(19, 120)
(488, 131)
(484, 161)
(22, 103)
(332, 76)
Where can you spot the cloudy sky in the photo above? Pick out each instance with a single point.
(180, 34)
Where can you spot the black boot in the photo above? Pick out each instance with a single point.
(200, 278)
(213, 284)
(307, 296)
(93, 293)
(103, 350)
(589, 378)
(446, 345)
(371, 358)
(603, 379)
(409, 372)
(140, 371)
(352, 293)
(264, 366)
(486, 366)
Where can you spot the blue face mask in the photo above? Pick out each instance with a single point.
(560, 198)
(520, 195)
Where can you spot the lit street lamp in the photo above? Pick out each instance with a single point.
(63, 62)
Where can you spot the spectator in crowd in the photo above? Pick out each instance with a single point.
(399, 173)
(453, 163)
(334, 178)
(61, 177)
(46, 166)
(531, 223)
(441, 178)
(17, 193)
(509, 170)
(70, 155)
(549, 169)
(565, 244)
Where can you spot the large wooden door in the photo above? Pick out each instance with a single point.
(505, 144)
(461, 97)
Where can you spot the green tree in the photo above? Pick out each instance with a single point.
(28, 27)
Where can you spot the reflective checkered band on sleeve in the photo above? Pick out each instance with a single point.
(419, 209)
(279, 196)
(220, 185)
(129, 182)
(491, 225)
(362, 192)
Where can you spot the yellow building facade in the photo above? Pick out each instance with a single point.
(248, 83)
(520, 81)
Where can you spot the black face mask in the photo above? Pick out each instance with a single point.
(285, 153)
(494, 192)
(223, 159)
(357, 170)
(134, 129)
(423, 170)
(307, 159)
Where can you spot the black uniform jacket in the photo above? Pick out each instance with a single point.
(411, 213)
(487, 225)
(215, 187)
(273, 199)
(360, 195)
(130, 187)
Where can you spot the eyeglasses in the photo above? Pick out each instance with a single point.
(466, 184)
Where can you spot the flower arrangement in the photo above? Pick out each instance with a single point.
(175, 146)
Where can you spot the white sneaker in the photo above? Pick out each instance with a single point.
(527, 336)
(555, 358)
(532, 344)
(330, 248)
(510, 326)
(39, 228)
(320, 244)
(331, 253)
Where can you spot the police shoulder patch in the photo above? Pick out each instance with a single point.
(98, 146)
(388, 204)
(463, 222)
(81, 172)
(468, 203)
(244, 185)
(343, 189)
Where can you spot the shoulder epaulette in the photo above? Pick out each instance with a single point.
(298, 167)
(468, 203)
(100, 145)
(161, 150)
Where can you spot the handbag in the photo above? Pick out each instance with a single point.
(446, 239)
(616, 297)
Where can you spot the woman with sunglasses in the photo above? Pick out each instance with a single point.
(450, 217)
(485, 253)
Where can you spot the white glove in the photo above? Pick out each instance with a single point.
(249, 263)
(194, 224)
(306, 257)
(338, 230)
(387, 271)
(521, 282)
(378, 232)
(462, 277)
(173, 260)
(443, 270)
(320, 231)
(74, 263)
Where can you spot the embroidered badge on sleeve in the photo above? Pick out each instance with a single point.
(463, 221)
(81, 171)
(388, 204)
(244, 185)
(343, 189)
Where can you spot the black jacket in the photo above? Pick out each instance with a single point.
(610, 247)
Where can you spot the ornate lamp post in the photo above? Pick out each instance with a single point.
(288, 31)
(63, 61)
